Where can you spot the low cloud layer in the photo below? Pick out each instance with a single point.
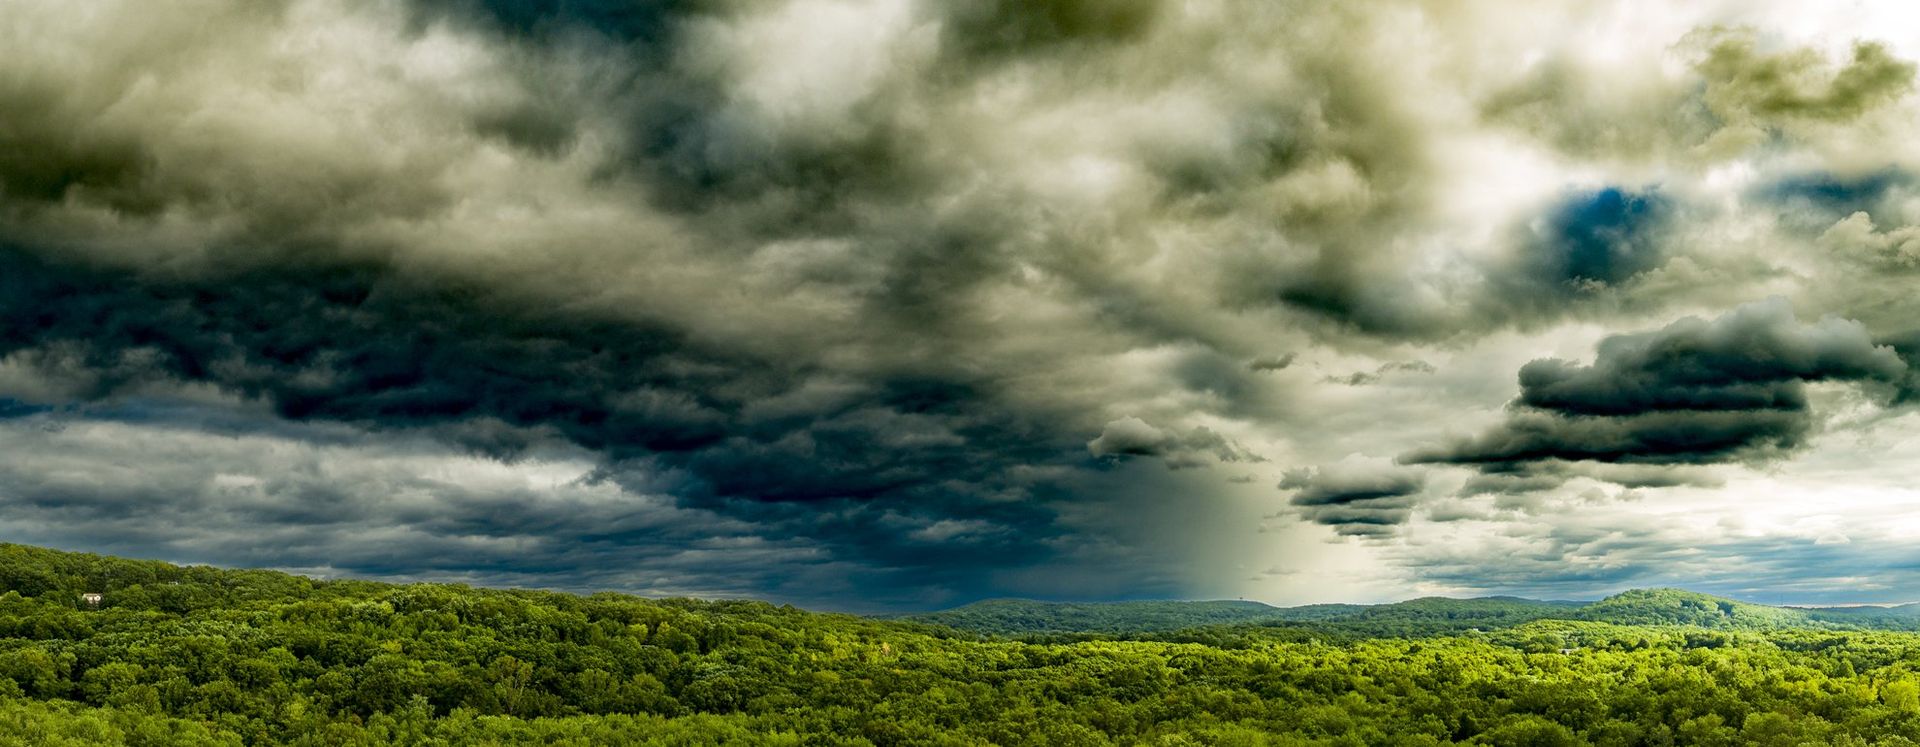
(1694, 392)
(1357, 497)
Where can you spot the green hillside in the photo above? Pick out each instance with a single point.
(1678, 607)
(201, 656)
(1427, 616)
(1435, 615)
(1901, 617)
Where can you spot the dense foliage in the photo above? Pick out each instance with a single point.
(201, 656)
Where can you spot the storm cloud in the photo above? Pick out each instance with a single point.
(944, 301)
(1128, 437)
(1695, 392)
(1355, 496)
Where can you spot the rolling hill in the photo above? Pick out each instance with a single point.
(1679, 607)
(1415, 617)
(1025, 616)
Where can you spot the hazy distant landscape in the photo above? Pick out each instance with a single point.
(193, 655)
(1425, 616)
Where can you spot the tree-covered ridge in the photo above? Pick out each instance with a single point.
(1023, 616)
(1900, 617)
(1678, 607)
(1442, 615)
(1415, 617)
(1424, 616)
(204, 656)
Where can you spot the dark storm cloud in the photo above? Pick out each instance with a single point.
(996, 30)
(1694, 392)
(365, 347)
(1356, 498)
(1754, 358)
(738, 263)
(1133, 437)
(647, 23)
(361, 345)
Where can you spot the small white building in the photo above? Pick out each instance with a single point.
(91, 598)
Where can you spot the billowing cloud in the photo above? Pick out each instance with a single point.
(1356, 496)
(1746, 83)
(1130, 437)
(1696, 391)
(1856, 238)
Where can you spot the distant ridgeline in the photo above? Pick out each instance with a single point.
(169, 655)
(1425, 616)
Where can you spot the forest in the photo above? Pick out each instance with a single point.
(173, 655)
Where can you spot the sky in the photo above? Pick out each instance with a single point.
(883, 305)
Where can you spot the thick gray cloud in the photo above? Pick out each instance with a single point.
(1696, 391)
(1131, 437)
(730, 434)
(324, 499)
(1357, 497)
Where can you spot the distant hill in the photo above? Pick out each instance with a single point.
(1416, 616)
(1426, 616)
(1435, 615)
(1901, 617)
(1025, 616)
(1679, 607)
(1904, 610)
